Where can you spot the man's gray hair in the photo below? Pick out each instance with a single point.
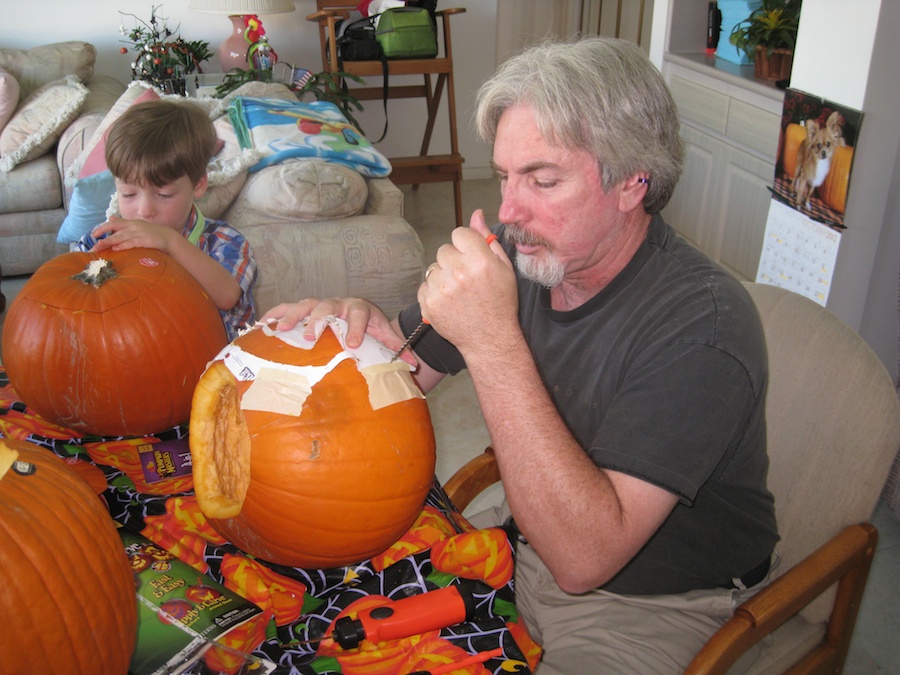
(601, 95)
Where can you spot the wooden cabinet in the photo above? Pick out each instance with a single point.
(730, 124)
(731, 141)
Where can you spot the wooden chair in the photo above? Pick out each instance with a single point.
(833, 430)
(424, 167)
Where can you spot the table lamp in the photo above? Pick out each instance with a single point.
(233, 52)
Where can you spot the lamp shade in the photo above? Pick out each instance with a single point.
(241, 6)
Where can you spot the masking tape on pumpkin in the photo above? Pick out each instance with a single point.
(278, 392)
(8, 457)
(389, 383)
(283, 388)
(277, 387)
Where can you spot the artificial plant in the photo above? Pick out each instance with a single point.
(773, 25)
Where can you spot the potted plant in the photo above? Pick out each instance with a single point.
(162, 57)
(768, 36)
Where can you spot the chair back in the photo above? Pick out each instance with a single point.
(833, 421)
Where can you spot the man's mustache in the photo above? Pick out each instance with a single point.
(516, 234)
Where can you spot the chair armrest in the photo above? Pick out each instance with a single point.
(472, 478)
(845, 559)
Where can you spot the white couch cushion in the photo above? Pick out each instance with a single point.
(300, 190)
(37, 66)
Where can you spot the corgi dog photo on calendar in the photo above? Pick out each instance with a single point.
(814, 156)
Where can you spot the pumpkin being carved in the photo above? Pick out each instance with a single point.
(68, 593)
(310, 455)
(111, 346)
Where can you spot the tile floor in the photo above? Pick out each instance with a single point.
(461, 434)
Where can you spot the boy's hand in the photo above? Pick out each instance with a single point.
(119, 235)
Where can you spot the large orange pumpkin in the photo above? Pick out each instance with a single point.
(794, 135)
(68, 593)
(834, 190)
(330, 483)
(111, 345)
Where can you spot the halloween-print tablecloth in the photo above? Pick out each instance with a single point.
(155, 499)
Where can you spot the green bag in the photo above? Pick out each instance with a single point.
(407, 33)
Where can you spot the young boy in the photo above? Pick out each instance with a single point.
(158, 151)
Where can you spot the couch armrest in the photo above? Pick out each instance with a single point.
(385, 198)
(104, 92)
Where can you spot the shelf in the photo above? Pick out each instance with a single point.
(730, 79)
(730, 73)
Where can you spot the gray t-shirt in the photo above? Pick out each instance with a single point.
(661, 375)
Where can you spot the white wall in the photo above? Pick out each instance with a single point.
(850, 56)
(296, 41)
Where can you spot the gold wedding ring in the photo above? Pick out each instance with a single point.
(431, 268)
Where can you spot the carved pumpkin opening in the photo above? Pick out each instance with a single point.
(221, 475)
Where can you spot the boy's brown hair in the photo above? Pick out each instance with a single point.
(158, 142)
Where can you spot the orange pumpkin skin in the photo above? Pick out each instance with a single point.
(794, 135)
(68, 593)
(332, 486)
(119, 359)
(834, 190)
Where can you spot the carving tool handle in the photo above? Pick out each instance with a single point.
(409, 616)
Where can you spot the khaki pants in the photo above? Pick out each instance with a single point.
(605, 633)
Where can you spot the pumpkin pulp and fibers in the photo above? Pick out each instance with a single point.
(222, 473)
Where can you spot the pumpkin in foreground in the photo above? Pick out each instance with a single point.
(111, 345)
(293, 464)
(68, 593)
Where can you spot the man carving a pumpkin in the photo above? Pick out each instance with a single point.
(621, 374)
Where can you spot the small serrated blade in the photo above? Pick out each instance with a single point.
(412, 337)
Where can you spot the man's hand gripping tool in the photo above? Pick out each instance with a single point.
(490, 239)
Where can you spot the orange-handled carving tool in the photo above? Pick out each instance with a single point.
(402, 618)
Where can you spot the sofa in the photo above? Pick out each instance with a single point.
(32, 204)
(316, 228)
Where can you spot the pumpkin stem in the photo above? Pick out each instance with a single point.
(97, 273)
